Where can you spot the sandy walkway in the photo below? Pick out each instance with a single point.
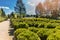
(4, 31)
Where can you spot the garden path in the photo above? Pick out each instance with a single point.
(5, 31)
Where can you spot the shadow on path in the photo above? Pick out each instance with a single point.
(11, 31)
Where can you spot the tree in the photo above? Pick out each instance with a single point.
(2, 13)
(20, 8)
(50, 8)
(11, 15)
(40, 10)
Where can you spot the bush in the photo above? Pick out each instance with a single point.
(33, 29)
(17, 25)
(25, 34)
(23, 25)
(54, 36)
(31, 24)
(28, 35)
(44, 33)
(58, 27)
(51, 25)
(42, 25)
(18, 31)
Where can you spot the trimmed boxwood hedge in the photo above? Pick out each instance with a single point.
(17, 25)
(42, 27)
(54, 36)
(44, 33)
(24, 34)
(33, 29)
(18, 31)
(28, 35)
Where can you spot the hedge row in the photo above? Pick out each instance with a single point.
(35, 29)
(36, 20)
(33, 33)
(49, 25)
(24, 34)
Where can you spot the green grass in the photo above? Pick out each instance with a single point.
(2, 19)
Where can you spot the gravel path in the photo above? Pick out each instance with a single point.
(5, 31)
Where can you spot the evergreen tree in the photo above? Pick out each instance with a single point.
(12, 14)
(20, 8)
(2, 13)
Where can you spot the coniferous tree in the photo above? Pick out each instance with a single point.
(20, 8)
(2, 13)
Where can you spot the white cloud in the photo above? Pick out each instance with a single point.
(4, 7)
(34, 2)
(8, 11)
(30, 3)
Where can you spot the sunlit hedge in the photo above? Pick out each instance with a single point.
(54, 36)
(42, 27)
(24, 34)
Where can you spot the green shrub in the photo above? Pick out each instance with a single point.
(58, 27)
(17, 25)
(28, 35)
(41, 25)
(57, 21)
(44, 33)
(25, 34)
(31, 24)
(36, 24)
(18, 31)
(33, 29)
(54, 36)
(51, 25)
(23, 25)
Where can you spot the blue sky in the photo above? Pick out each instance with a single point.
(8, 5)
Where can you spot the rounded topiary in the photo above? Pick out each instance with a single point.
(28, 35)
(44, 33)
(51, 25)
(58, 27)
(36, 24)
(31, 24)
(15, 25)
(23, 25)
(18, 31)
(54, 36)
(42, 25)
(33, 29)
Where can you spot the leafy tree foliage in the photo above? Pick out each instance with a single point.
(50, 8)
